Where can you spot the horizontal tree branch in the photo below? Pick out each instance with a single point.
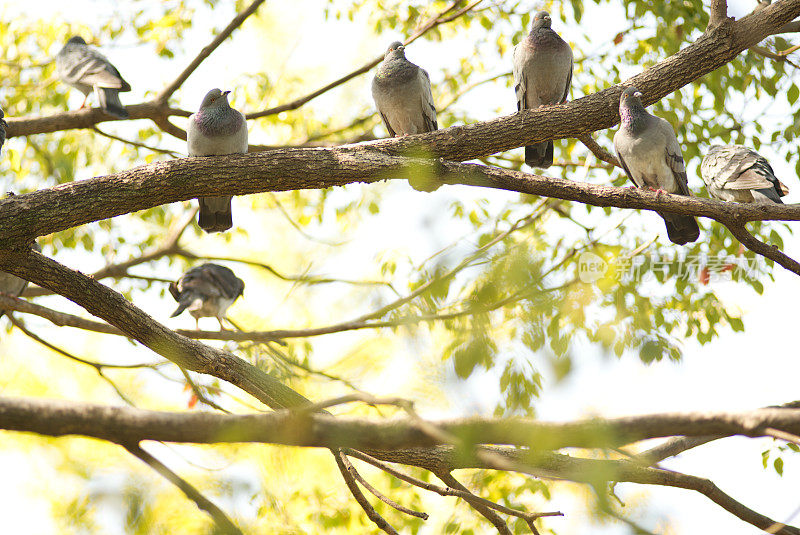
(384, 439)
(125, 425)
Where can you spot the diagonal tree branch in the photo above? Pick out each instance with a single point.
(237, 21)
(433, 22)
(115, 309)
(220, 518)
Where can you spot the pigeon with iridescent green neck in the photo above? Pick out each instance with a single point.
(216, 129)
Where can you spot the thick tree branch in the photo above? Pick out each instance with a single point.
(115, 309)
(123, 425)
(718, 13)
(222, 521)
(237, 21)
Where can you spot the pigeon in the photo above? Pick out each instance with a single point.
(216, 128)
(11, 284)
(542, 77)
(402, 94)
(207, 291)
(651, 157)
(3, 126)
(87, 70)
(736, 173)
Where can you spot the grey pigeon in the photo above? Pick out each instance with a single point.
(3, 126)
(736, 173)
(651, 157)
(87, 70)
(402, 94)
(542, 77)
(207, 291)
(11, 284)
(216, 128)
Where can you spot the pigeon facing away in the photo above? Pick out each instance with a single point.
(3, 126)
(736, 173)
(207, 291)
(216, 128)
(87, 70)
(542, 77)
(651, 157)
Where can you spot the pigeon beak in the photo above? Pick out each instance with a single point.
(637, 94)
(400, 48)
(226, 93)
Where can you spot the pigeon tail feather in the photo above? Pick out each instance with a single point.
(681, 229)
(769, 193)
(183, 305)
(215, 214)
(539, 155)
(109, 101)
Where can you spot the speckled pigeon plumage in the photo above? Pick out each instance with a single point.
(3, 126)
(736, 173)
(402, 94)
(651, 157)
(216, 128)
(542, 77)
(207, 291)
(87, 70)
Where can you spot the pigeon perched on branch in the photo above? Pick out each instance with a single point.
(215, 129)
(402, 94)
(542, 77)
(87, 70)
(206, 291)
(651, 157)
(736, 173)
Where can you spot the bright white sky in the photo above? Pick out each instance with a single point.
(736, 371)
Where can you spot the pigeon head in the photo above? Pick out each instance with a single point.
(76, 40)
(631, 110)
(216, 98)
(541, 20)
(395, 50)
(630, 97)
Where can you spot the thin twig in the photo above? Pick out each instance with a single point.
(220, 518)
(237, 21)
(136, 143)
(433, 22)
(375, 492)
(370, 511)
